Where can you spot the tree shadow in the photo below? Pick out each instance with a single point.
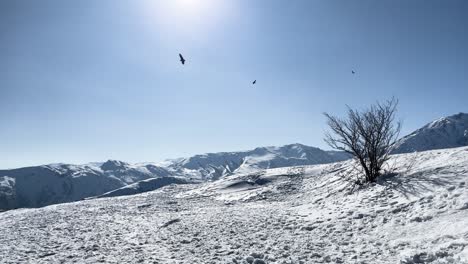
(417, 183)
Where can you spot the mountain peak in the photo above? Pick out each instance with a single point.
(444, 121)
(113, 165)
(446, 132)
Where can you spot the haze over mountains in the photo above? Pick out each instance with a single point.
(49, 184)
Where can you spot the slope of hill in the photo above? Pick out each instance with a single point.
(304, 214)
(146, 186)
(446, 132)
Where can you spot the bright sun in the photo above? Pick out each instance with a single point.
(193, 6)
(185, 16)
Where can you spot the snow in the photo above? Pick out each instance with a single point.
(7, 182)
(147, 185)
(300, 214)
(7, 191)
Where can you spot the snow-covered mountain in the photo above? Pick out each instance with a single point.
(58, 183)
(446, 132)
(50, 184)
(305, 214)
(213, 166)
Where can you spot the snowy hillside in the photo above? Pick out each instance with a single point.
(446, 132)
(51, 184)
(213, 166)
(147, 185)
(304, 214)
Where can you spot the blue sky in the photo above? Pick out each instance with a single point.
(85, 81)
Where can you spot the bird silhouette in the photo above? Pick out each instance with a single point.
(182, 59)
(353, 72)
(254, 82)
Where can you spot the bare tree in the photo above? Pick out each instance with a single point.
(369, 135)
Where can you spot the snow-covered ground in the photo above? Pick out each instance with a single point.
(305, 214)
(147, 185)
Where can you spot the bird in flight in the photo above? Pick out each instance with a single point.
(254, 82)
(353, 72)
(182, 59)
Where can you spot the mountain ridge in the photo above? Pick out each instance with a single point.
(38, 186)
(445, 132)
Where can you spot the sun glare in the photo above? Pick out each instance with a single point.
(191, 6)
(186, 16)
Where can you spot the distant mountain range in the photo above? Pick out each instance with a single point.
(212, 166)
(57, 183)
